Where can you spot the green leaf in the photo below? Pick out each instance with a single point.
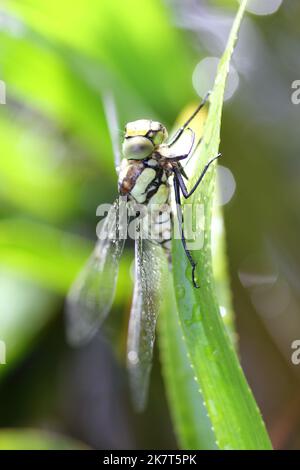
(26, 309)
(50, 257)
(41, 186)
(131, 50)
(220, 270)
(192, 425)
(233, 412)
(42, 253)
(38, 265)
(33, 439)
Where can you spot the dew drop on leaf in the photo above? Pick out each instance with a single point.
(180, 290)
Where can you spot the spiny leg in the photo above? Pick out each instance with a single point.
(188, 153)
(194, 150)
(182, 171)
(180, 221)
(179, 132)
(181, 183)
(191, 152)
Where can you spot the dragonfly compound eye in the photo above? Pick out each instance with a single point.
(160, 136)
(137, 148)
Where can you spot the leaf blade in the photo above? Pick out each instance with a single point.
(189, 414)
(235, 417)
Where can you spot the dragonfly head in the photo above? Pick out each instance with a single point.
(142, 137)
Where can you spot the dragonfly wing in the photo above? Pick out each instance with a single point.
(145, 306)
(111, 114)
(91, 296)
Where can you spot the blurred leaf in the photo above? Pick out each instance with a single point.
(49, 256)
(25, 311)
(120, 35)
(235, 417)
(39, 182)
(47, 261)
(27, 63)
(36, 439)
(84, 61)
(45, 254)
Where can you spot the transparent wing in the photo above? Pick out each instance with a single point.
(91, 296)
(111, 114)
(149, 259)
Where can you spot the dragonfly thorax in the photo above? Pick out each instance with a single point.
(144, 181)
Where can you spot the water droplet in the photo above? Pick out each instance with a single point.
(133, 357)
(215, 352)
(196, 316)
(228, 447)
(223, 311)
(180, 291)
(263, 8)
(212, 407)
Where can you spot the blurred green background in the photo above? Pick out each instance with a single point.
(56, 166)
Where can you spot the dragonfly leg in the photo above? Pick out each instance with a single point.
(179, 132)
(192, 153)
(181, 183)
(180, 221)
(182, 171)
(188, 153)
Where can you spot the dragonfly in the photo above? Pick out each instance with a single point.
(147, 164)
